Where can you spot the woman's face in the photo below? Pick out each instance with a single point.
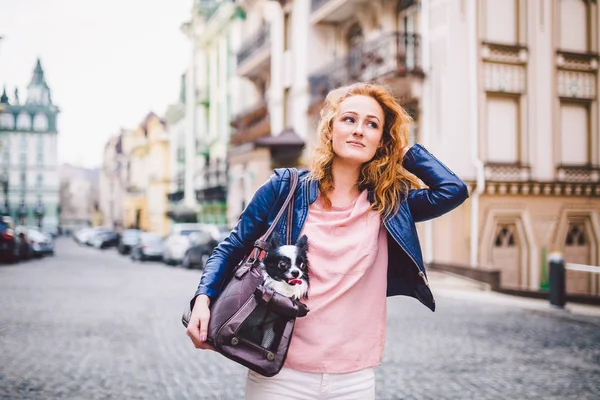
(357, 129)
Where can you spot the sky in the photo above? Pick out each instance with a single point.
(108, 63)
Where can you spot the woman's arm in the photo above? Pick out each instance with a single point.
(251, 226)
(445, 190)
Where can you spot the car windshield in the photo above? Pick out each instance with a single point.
(187, 232)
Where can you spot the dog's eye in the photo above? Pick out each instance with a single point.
(282, 265)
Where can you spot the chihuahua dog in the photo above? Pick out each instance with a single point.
(285, 268)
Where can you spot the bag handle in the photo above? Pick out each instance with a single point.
(263, 243)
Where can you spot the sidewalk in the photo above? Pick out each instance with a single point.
(455, 286)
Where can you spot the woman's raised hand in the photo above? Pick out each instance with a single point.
(197, 328)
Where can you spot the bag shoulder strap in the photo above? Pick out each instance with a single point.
(287, 206)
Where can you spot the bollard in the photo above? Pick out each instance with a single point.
(558, 293)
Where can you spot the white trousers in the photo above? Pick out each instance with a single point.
(296, 385)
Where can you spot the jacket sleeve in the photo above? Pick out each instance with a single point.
(445, 190)
(251, 226)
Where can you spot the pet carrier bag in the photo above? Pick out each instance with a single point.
(251, 324)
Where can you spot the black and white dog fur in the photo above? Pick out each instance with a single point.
(285, 269)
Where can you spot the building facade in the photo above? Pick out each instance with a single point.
(146, 169)
(209, 96)
(79, 197)
(505, 92)
(29, 134)
(111, 182)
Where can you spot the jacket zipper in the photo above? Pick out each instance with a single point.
(421, 273)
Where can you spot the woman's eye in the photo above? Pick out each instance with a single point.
(349, 119)
(372, 125)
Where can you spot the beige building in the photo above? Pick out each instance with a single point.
(112, 187)
(146, 176)
(504, 92)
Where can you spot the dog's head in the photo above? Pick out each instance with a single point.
(288, 264)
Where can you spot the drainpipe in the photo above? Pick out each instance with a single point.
(474, 129)
(426, 107)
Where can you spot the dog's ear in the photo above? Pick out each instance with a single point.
(302, 244)
(274, 242)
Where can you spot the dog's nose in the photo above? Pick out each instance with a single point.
(295, 273)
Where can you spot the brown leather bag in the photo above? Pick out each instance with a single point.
(249, 323)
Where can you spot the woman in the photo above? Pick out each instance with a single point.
(358, 208)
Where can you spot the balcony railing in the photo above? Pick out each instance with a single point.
(391, 55)
(251, 125)
(260, 40)
(507, 172)
(578, 173)
(175, 197)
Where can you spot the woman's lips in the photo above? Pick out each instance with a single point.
(356, 144)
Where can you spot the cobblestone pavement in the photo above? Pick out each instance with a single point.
(90, 324)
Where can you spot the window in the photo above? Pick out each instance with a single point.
(23, 158)
(23, 178)
(24, 121)
(7, 120)
(501, 21)
(574, 135)
(502, 129)
(40, 159)
(40, 122)
(574, 25)
(40, 180)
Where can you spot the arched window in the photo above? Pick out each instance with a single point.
(24, 121)
(7, 120)
(40, 122)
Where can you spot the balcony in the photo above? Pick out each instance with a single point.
(214, 183)
(175, 197)
(333, 11)
(507, 172)
(392, 55)
(253, 59)
(578, 173)
(251, 125)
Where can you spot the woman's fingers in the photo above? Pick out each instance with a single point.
(197, 328)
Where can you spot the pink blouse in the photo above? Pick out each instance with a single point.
(345, 328)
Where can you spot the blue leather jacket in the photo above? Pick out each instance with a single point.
(406, 272)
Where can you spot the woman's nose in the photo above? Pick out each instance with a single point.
(358, 131)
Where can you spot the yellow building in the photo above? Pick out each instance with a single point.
(147, 176)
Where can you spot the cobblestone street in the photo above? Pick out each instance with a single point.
(89, 324)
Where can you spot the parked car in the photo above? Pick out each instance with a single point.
(150, 247)
(105, 240)
(40, 243)
(83, 235)
(178, 242)
(202, 245)
(9, 243)
(128, 239)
